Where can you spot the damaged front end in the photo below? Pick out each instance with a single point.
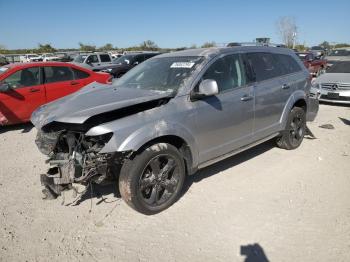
(74, 158)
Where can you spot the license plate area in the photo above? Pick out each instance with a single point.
(333, 95)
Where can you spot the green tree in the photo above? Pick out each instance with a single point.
(325, 45)
(46, 48)
(107, 47)
(149, 45)
(340, 45)
(87, 48)
(208, 44)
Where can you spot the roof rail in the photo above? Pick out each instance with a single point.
(233, 44)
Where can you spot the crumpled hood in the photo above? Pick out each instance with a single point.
(333, 78)
(91, 100)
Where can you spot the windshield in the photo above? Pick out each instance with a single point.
(302, 56)
(339, 52)
(79, 58)
(3, 69)
(340, 67)
(124, 60)
(162, 74)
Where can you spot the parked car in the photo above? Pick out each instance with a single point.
(314, 64)
(50, 57)
(338, 54)
(93, 60)
(318, 51)
(124, 63)
(3, 60)
(334, 85)
(24, 87)
(30, 58)
(172, 115)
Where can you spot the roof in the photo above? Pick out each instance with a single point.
(32, 64)
(213, 51)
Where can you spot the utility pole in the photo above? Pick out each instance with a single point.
(294, 38)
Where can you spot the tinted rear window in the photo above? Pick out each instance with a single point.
(105, 58)
(264, 65)
(80, 74)
(287, 63)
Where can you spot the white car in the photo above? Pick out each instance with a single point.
(334, 85)
(50, 57)
(30, 58)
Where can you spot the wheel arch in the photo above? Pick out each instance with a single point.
(297, 99)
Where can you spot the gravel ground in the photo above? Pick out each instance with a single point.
(263, 204)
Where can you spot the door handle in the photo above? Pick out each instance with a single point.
(33, 90)
(246, 98)
(285, 86)
(73, 83)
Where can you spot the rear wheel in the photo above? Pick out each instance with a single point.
(293, 135)
(152, 180)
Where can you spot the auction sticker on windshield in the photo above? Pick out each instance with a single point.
(182, 65)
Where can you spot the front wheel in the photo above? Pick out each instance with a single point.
(153, 179)
(293, 135)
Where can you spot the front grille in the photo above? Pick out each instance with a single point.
(340, 98)
(335, 86)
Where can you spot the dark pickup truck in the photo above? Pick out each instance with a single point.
(315, 65)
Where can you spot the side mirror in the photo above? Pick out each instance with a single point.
(207, 87)
(135, 63)
(4, 87)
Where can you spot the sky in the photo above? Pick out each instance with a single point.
(174, 23)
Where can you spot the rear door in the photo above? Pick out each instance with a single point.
(271, 93)
(27, 93)
(105, 59)
(60, 81)
(225, 122)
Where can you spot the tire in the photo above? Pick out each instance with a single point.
(152, 181)
(293, 135)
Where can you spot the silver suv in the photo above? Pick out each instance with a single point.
(171, 116)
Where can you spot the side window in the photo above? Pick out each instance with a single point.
(264, 65)
(288, 63)
(227, 72)
(57, 74)
(23, 78)
(92, 59)
(105, 58)
(80, 74)
(139, 59)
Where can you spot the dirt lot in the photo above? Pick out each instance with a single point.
(293, 205)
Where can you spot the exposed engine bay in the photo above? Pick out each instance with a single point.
(74, 158)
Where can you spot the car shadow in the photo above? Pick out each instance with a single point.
(227, 163)
(253, 253)
(25, 127)
(345, 121)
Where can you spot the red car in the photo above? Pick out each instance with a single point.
(24, 87)
(316, 65)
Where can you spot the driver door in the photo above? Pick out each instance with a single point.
(93, 60)
(26, 94)
(225, 122)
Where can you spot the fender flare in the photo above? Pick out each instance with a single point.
(297, 95)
